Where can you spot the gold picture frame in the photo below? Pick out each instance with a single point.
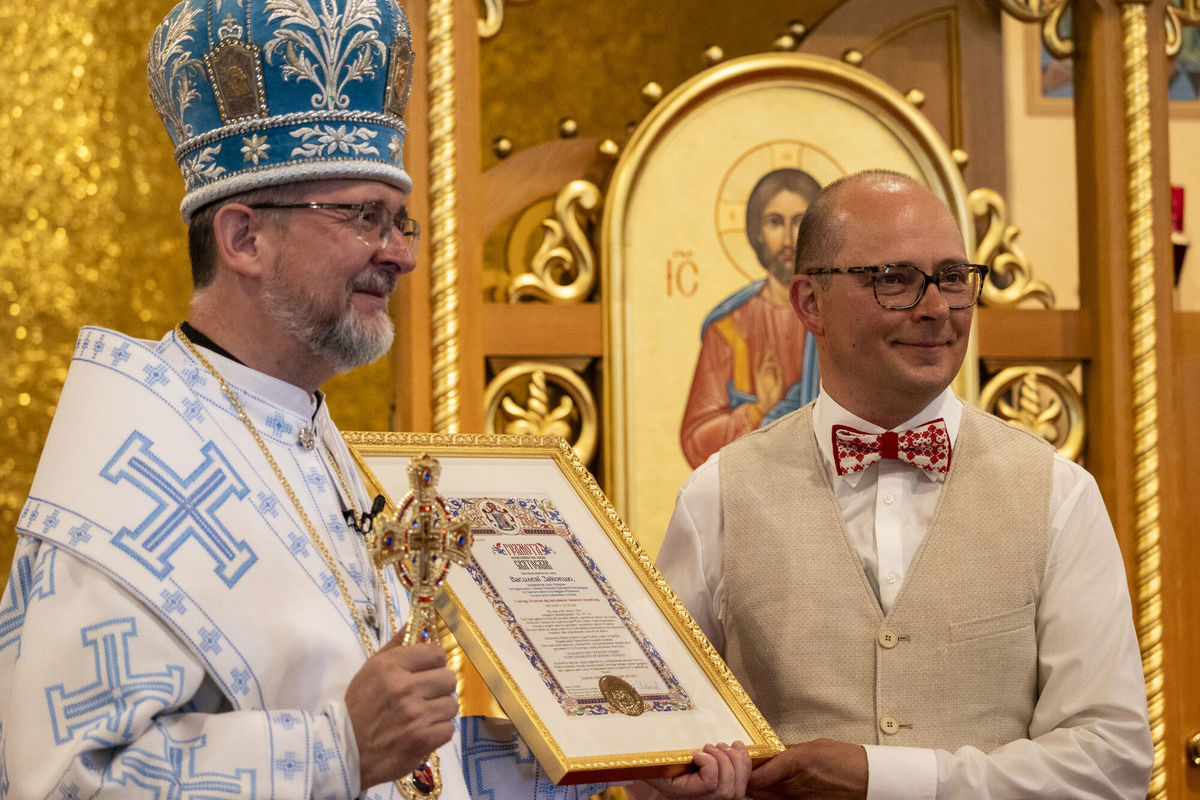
(674, 243)
(532, 495)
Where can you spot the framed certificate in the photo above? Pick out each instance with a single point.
(577, 635)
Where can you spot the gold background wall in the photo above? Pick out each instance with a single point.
(90, 232)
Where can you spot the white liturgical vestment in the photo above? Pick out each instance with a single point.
(170, 621)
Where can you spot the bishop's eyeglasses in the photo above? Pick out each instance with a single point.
(373, 222)
(901, 286)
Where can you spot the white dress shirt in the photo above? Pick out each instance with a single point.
(1089, 735)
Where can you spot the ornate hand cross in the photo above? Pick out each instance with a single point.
(422, 543)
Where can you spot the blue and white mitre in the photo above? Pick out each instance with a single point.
(262, 92)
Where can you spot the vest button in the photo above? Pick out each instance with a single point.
(887, 638)
(889, 725)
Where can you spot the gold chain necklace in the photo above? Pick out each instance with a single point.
(363, 636)
(406, 785)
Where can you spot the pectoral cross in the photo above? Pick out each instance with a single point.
(423, 542)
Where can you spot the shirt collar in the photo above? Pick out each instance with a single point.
(827, 413)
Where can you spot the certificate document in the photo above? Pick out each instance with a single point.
(563, 612)
(575, 633)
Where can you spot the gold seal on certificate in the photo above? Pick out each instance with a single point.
(621, 696)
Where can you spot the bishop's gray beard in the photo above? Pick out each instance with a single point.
(337, 334)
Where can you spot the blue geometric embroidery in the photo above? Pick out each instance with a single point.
(290, 765)
(155, 373)
(120, 354)
(298, 546)
(328, 583)
(193, 378)
(79, 534)
(43, 577)
(287, 721)
(210, 641)
(166, 777)
(173, 602)
(68, 791)
(98, 347)
(186, 507)
(322, 757)
(24, 584)
(268, 504)
(241, 681)
(16, 600)
(193, 409)
(106, 707)
(51, 522)
(278, 424)
(316, 478)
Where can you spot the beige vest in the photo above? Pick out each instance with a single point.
(955, 662)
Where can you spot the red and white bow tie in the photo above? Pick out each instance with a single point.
(926, 447)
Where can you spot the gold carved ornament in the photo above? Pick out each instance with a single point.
(493, 17)
(1010, 280)
(1179, 16)
(1050, 14)
(1042, 401)
(443, 217)
(1143, 319)
(1142, 343)
(563, 270)
(574, 417)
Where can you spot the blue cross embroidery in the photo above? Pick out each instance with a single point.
(155, 373)
(278, 424)
(210, 641)
(81, 345)
(79, 534)
(290, 765)
(268, 504)
(120, 354)
(186, 508)
(193, 409)
(298, 546)
(322, 757)
(174, 775)
(336, 525)
(328, 583)
(106, 707)
(287, 721)
(98, 347)
(173, 602)
(51, 522)
(193, 378)
(241, 681)
(316, 478)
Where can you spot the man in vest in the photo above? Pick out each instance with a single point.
(927, 601)
(192, 609)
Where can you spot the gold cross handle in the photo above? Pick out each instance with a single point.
(423, 542)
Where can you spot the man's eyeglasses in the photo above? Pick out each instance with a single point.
(900, 286)
(373, 222)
